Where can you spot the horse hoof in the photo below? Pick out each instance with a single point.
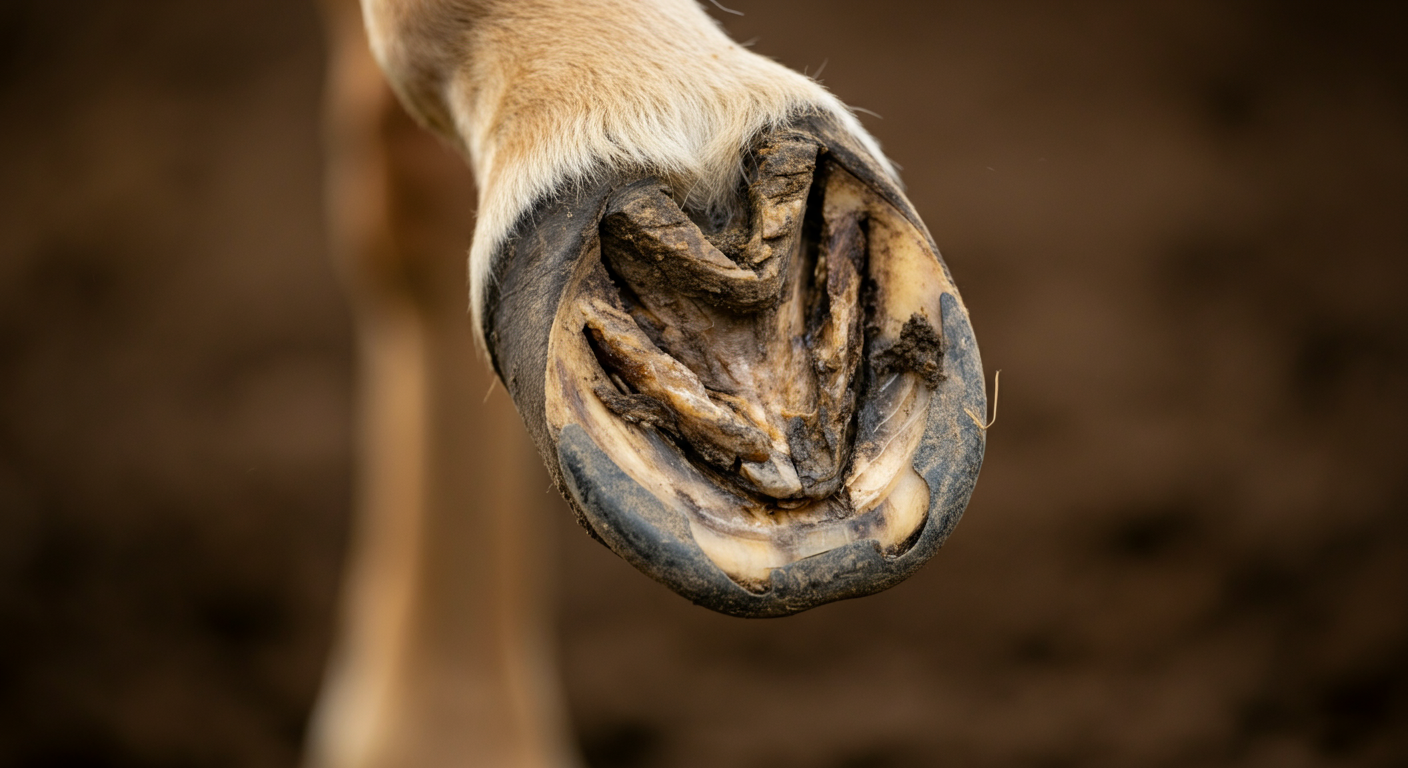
(767, 408)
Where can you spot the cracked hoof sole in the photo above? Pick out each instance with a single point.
(764, 410)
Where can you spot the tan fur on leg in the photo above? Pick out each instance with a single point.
(541, 93)
(443, 655)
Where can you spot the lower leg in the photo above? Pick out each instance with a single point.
(444, 651)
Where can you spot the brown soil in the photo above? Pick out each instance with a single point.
(1180, 230)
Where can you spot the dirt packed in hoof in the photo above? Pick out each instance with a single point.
(742, 344)
(919, 348)
(1178, 228)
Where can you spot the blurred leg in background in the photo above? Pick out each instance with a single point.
(442, 656)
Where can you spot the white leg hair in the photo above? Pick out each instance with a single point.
(542, 93)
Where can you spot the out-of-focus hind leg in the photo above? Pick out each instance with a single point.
(443, 649)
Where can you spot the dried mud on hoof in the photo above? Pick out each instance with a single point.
(763, 409)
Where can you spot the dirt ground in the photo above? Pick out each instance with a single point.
(1182, 231)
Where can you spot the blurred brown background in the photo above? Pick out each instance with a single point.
(1182, 230)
